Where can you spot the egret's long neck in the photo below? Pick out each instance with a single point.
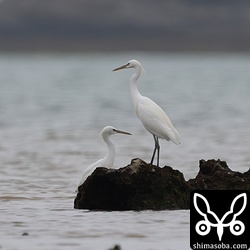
(110, 156)
(135, 94)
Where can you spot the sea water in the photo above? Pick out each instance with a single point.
(52, 108)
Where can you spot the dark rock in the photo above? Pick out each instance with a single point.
(216, 175)
(141, 186)
(138, 186)
(116, 247)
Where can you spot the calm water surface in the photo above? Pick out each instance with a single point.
(52, 108)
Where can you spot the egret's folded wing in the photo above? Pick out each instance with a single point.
(156, 121)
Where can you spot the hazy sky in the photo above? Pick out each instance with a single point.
(104, 24)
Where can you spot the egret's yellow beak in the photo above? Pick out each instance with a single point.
(122, 67)
(122, 132)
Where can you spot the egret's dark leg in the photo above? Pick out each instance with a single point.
(158, 151)
(153, 156)
(157, 147)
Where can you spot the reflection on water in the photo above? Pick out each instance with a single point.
(52, 108)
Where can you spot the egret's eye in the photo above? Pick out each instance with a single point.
(114, 130)
(128, 64)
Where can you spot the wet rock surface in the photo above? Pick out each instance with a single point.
(137, 186)
(141, 186)
(216, 175)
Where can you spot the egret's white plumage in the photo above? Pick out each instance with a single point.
(153, 118)
(108, 160)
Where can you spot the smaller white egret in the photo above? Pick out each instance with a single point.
(153, 118)
(108, 160)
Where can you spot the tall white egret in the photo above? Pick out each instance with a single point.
(108, 160)
(153, 118)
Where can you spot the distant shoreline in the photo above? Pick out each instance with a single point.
(168, 44)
